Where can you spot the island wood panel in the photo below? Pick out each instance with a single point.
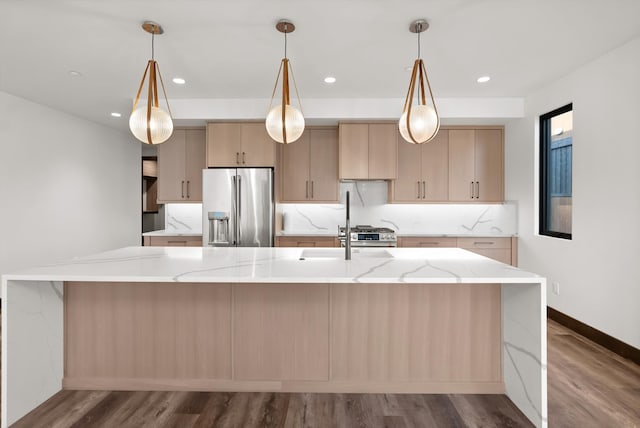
(281, 331)
(414, 332)
(127, 332)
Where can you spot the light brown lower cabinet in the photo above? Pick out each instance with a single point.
(504, 250)
(427, 241)
(297, 337)
(173, 241)
(307, 241)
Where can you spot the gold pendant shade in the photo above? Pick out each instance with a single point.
(149, 123)
(419, 122)
(285, 123)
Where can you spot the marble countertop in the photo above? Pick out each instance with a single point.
(172, 233)
(292, 265)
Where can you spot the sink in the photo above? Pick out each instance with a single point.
(338, 253)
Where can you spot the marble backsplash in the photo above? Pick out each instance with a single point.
(183, 218)
(369, 206)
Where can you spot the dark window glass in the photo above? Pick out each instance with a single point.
(556, 153)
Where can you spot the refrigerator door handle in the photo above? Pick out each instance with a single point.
(233, 211)
(239, 216)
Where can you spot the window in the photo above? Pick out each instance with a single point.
(556, 149)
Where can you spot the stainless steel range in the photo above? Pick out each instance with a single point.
(369, 236)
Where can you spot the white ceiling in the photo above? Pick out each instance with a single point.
(230, 49)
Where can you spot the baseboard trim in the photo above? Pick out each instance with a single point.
(611, 343)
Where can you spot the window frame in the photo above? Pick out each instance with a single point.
(545, 154)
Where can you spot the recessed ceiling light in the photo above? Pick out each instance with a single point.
(74, 73)
(329, 79)
(483, 79)
(408, 68)
(557, 131)
(116, 114)
(179, 81)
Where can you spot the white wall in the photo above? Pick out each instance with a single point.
(599, 269)
(68, 187)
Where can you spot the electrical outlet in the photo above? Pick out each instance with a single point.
(556, 288)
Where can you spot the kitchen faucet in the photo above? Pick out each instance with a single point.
(347, 233)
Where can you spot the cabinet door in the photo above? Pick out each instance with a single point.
(489, 165)
(323, 167)
(295, 170)
(461, 164)
(383, 150)
(223, 144)
(195, 162)
(257, 148)
(435, 168)
(407, 187)
(353, 156)
(171, 163)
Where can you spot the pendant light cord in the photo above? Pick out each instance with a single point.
(419, 28)
(285, 40)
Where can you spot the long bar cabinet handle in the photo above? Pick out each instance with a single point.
(418, 189)
(188, 196)
(424, 190)
(182, 188)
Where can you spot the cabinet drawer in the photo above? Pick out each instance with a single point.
(173, 241)
(484, 243)
(426, 241)
(307, 241)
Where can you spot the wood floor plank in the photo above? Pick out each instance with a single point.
(443, 411)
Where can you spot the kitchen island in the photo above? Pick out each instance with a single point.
(428, 320)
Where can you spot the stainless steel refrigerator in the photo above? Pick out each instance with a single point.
(238, 207)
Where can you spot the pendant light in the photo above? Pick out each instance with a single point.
(419, 123)
(285, 123)
(149, 123)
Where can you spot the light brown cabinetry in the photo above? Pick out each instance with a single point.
(309, 167)
(181, 160)
(307, 241)
(504, 250)
(239, 144)
(476, 165)
(423, 172)
(173, 241)
(367, 151)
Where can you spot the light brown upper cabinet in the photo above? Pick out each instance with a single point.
(476, 165)
(181, 160)
(309, 167)
(367, 151)
(423, 172)
(239, 144)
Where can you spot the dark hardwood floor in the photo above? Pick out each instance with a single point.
(588, 387)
